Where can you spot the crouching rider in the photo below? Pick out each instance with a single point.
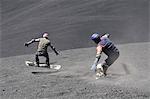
(105, 45)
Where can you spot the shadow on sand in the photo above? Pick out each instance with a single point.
(45, 72)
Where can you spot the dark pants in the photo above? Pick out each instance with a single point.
(111, 58)
(40, 53)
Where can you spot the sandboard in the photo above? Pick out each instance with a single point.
(43, 65)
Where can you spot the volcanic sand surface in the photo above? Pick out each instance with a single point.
(127, 77)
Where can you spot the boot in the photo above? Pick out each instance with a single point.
(99, 71)
(37, 64)
(105, 69)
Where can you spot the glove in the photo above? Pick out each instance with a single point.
(26, 44)
(107, 35)
(93, 68)
(56, 53)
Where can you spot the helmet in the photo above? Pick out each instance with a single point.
(45, 35)
(95, 37)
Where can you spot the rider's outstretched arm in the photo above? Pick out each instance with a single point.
(31, 41)
(98, 56)
(54, 49)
